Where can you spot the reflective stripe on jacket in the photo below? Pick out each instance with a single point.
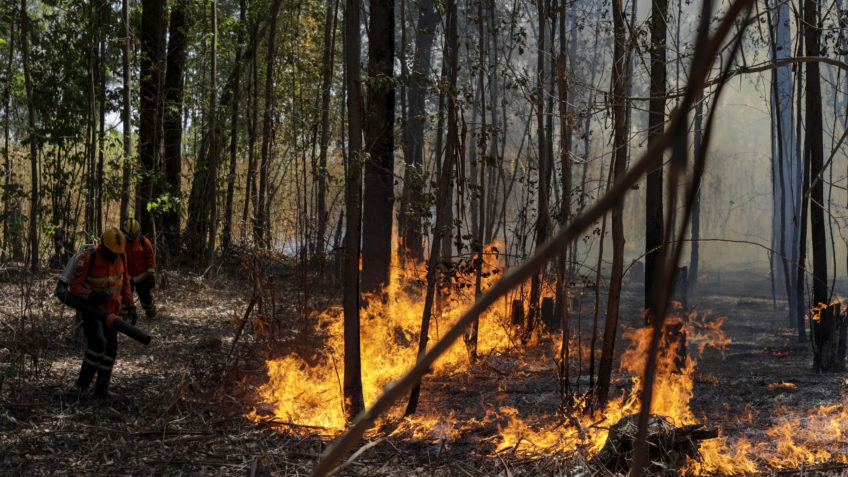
(104, 275)
(140, 259)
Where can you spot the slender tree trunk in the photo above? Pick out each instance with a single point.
(101, 133)
(542, 226)
(821, 332)
(126, 113)
(259, 224)
(227, 233)
(173, 126)
(32, 139)
(326, 83)
(378, 198)
(656, 120)
(443, 198)
(250, 187)
(212, 192)
(411, 209)
(354, 403)
(695, 229)
(7, 250)
(618, 101)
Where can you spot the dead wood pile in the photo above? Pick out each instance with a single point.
(668, 446)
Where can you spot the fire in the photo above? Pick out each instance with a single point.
(311, 394)
(307, 392)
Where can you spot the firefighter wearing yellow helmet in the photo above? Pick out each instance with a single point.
(141, 263)
(101, 279)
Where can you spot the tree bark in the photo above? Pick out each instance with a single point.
(353, 400)
(212, 185)
(378, 196)
(411, 208)
(8, 249)
(812, 33)
(618, 101)
(326, 83)
(656, 120)
(442, 225)
(151, 63)
(259, 219)
(173, 125)
(542, 226)
(33, 141)
(126, 113)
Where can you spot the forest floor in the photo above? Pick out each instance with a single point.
(181, 401)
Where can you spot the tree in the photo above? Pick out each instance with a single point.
(173, 116)
(126, 113)
(151, 69)
(320, 173)
(822, 332)
(542, 218)
(618, 100)
(353, 401)
(656, 120)
(411, 208)
(378, 196)
(32, 139)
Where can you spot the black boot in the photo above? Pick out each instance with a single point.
(101, 386)
(86, 374)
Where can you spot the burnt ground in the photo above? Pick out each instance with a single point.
(180, 402)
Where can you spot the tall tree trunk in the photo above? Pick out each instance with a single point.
(353, 400)
(33, 141)
(618, 101)
(411, 208)
(695, 230)
(326, 83)
(821, 332)
(173, 125)
(101, 133)
(259, 216)
(378, 198)
(212, 190)
(542, 226)
(443, 206)
(126, 113)
(227, 232)
(656, 120)
(150, 86)
(9, 244)
(253, 124)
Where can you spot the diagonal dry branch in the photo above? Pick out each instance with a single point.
(706, 53)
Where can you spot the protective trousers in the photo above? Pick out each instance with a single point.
(145, 296)
(100, 352)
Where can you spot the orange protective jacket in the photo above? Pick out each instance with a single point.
(104, 275)
(140, 259)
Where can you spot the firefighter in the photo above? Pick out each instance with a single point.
(104, 284)
(141, 263)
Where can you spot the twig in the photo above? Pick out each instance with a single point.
(356, 455)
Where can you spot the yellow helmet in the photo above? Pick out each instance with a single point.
(114, 240)
(130, 228)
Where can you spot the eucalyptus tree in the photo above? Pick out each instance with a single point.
(151, 69)
(352, 387)
(378, 196)
(656, 121)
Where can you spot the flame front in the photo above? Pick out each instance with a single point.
(311, 395)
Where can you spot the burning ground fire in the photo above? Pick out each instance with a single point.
(310, 396)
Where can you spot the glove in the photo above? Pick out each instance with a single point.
(129, 314)
(150, 282)
(98, 297)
